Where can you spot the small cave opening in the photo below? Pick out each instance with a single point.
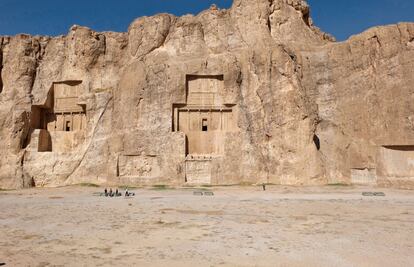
(306, 19)
(306, 16)
(32, 182)
(317, 142)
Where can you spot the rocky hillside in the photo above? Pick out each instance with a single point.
(253, 94)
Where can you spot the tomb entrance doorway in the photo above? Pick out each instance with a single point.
(205, 118)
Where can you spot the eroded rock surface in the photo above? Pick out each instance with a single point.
(253, 94)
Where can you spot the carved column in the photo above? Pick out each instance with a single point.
(221, 119)
(188, 120)
(63, 122)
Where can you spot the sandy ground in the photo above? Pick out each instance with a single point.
(238, 226)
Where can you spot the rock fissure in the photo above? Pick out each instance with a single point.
(91, 139)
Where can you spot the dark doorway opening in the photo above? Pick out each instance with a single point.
(204, 125)
(68, 126)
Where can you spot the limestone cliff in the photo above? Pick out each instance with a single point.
(253, 94)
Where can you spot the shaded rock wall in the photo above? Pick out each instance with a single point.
(308, 110)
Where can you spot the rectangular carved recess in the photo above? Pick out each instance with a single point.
(67, 115)
(62, 112)
(396, 161)
(204, 90)
(204, 118)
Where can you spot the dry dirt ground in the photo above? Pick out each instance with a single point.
(238, 226)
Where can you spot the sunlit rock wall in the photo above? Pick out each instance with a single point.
(253, 94)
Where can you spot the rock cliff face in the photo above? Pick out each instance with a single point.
(253, 94)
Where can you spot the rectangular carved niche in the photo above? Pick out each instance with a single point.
(66, 115)
(396, 161)
(62, 112)
(205, 90)
(204, 118)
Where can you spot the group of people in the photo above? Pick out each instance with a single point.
(111, 193)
